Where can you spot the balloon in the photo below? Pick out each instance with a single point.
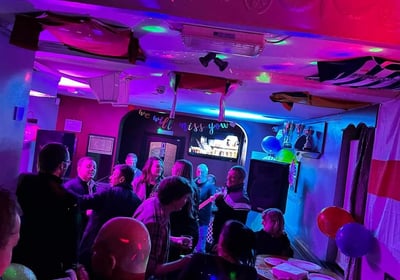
(285, 155)
(354, 240)
(270, 144)
(17, 271)
(331, 219)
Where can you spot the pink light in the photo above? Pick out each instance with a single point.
(65, 82)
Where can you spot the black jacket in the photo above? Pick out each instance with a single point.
(50, 226)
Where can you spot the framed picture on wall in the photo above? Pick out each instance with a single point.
(103, 145)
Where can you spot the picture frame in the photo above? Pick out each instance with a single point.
(103, 145)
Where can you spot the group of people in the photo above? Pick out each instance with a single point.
(144, 226)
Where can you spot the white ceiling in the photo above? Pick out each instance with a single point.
(285, 65)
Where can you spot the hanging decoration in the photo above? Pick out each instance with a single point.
(287, 99)
(204, 83)
(73, 31)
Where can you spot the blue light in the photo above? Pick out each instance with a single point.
(239, 115)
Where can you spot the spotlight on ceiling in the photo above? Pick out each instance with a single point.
(221, 64)
(204, 60)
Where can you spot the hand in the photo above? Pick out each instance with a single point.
(186, 242)
(81, 273)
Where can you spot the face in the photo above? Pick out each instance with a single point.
(156, 168)
(131, 161)
(201, 172)
(179, 203)
(6, 252)
(234, 178)
(87, 170)
(177, 169)
(116, 177)
(267, 224)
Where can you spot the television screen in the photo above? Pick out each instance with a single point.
(219, 145)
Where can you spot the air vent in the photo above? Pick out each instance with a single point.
(222, 40)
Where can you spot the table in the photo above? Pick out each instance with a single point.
(264, 270)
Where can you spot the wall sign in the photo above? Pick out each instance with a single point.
(100, 144)
(166, 123)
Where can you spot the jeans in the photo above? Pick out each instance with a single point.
(201, 245)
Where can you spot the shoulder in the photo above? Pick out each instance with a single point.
(71, 182)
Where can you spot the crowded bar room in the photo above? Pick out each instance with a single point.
(188, 139)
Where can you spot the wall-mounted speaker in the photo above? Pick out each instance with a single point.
(268, 184)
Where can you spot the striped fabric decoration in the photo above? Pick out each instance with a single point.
(383, 201)
(363, 72)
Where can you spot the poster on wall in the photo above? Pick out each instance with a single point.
(103, 145)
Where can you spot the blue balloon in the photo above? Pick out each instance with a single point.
(270, 144)
(354, 240)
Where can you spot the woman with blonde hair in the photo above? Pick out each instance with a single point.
(272, 239)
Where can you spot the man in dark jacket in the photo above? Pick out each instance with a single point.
(232, 205)
(49, 233)
(117, 201)
(83, 184)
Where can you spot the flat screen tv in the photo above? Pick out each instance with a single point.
(223, 145)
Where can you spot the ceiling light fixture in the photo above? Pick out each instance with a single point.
(221, 64)
(205, 60)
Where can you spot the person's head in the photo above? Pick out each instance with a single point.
(54, 159)
(273, 221)
(121, 250)
(211, 179)
(86, 168)
(202, 172)
(174, 192)
(122, 174)
(236, 176)
(10, 223)
(153, 168)
(131, 160)
(237, 242)
(184, 168)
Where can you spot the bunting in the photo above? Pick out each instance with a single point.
(363, 72)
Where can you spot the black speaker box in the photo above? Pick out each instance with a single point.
(268, 184)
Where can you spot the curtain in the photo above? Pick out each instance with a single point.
(359, 188)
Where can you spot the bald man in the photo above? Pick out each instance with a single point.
(121, 250)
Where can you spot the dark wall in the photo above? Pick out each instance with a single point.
(138, 125)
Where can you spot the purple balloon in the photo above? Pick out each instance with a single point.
(354, 240)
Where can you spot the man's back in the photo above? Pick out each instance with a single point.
(49, 227)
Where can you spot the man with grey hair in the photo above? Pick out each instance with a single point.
(131, 160)
(206, 190)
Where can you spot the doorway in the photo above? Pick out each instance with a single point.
(168, 148)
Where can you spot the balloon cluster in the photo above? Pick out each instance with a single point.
(352, 238)
(271, 145)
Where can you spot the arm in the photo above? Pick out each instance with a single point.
(92, 201)
(165, 268)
